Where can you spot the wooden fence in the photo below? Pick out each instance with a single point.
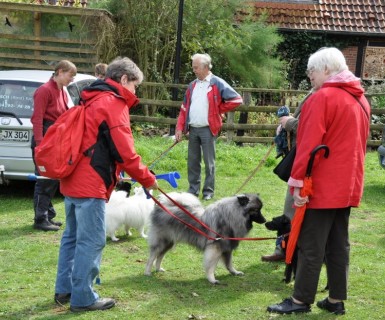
(37, 36)
(260, 107)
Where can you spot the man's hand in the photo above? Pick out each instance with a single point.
(178, 135)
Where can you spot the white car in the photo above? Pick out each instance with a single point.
(16, 106)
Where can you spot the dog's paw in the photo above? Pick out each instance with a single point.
(237, 273)
(144, 236)
(114, 239)
(214, 281)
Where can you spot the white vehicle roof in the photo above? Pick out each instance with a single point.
(36, 75)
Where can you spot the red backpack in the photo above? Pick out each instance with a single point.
(60, 150)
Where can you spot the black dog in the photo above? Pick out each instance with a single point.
(123, 186)
(282, 225)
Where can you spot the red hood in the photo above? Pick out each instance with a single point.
(348, 81)
(100, 88)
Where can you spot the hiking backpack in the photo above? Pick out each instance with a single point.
(60, 150)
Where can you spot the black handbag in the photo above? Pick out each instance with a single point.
(283, 168)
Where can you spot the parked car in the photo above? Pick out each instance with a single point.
(381, 150)
(16, 106)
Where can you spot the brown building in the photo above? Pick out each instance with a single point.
(361, 20)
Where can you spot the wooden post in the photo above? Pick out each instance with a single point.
(37, 33)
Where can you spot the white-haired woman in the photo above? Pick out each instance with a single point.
(336, 115)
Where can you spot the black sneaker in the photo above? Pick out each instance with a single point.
(45, 225)
(55, 223)
(62, 298)
(100, 304)
(288, 306)
(336, 308)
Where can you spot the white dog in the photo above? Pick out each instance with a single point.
(130, 212)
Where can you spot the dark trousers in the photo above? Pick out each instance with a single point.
(45, 190)
(201, 140)
(324, 234)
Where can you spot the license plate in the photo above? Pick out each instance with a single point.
(14, 135)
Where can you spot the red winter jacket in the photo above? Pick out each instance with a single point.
(109, 143)
(222, 98)
(333, 117)
(49, 102)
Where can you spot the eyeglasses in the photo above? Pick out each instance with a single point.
(310, 71)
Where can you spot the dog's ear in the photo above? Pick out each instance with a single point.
(243, 200)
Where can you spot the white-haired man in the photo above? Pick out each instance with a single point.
(206, 99)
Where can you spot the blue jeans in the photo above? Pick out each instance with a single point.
(81, 249)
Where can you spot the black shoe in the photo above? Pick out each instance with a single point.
(45, 226)
(62, 298)
(55, 223)
(336, 308)
(288, 306)
(100, 304)
(208, 197)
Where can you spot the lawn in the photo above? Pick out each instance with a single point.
(28, 257)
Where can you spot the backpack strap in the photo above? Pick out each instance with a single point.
(363, 108)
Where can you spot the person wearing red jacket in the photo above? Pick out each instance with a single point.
(50, 101)
(108, 149)
(337, 115)
(206, 100)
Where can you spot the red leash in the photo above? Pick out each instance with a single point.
(219, 237)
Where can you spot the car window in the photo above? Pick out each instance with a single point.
(75, 88)
(17, 97)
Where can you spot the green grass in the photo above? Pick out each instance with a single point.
(28, 258)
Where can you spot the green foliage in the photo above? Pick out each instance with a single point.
(299, 45)
(250, 54)
(241, 52)
(147, 35)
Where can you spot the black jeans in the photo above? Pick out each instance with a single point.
(45, 189)
(324, 234)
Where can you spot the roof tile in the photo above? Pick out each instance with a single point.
(354, 16)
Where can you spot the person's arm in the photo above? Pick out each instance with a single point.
(122, 148)
(40, 103)
(230, 99)
(182, 117)
(289, 123)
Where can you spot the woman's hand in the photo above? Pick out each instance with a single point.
(298, 200)
(283, 120)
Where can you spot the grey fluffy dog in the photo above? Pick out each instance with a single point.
(230, 217)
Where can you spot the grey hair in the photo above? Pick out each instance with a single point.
(204, 59)
(330, 59)
(124, 66)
